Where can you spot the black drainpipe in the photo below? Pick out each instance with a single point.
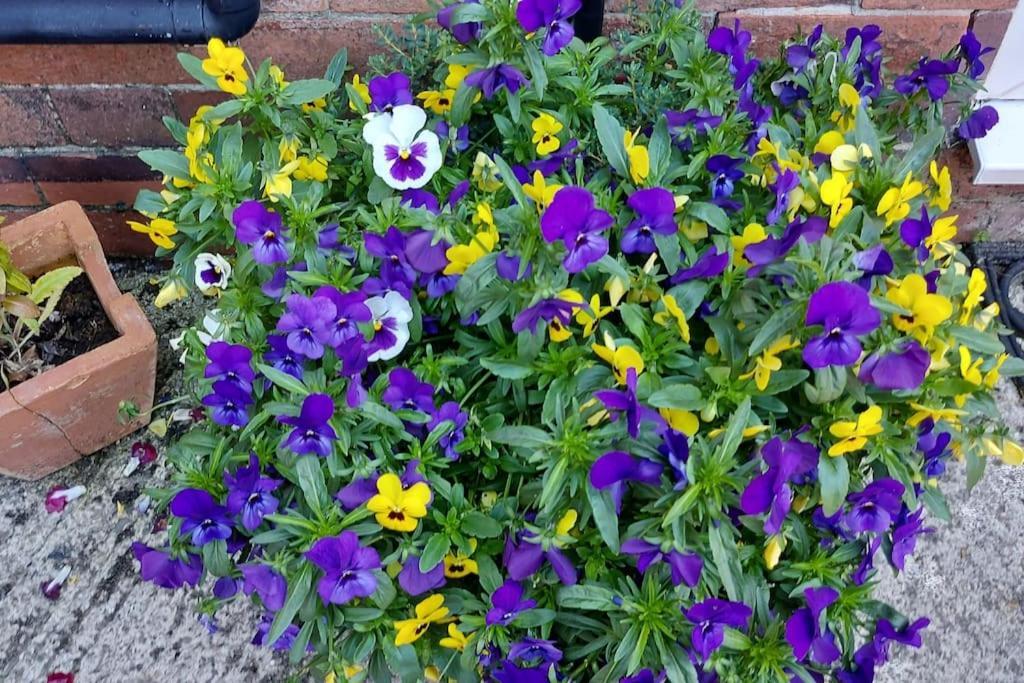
(125, 21)
(589, 21)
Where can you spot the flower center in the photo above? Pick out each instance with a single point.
(268, 235)
(421, 627)
(396, 515)
(377, 325)
(405, 153)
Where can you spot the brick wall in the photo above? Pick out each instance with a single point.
(74, 116)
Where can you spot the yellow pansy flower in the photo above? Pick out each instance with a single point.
(943, 230)
(429, 611)
(970, 369)
(926, 310)
(589, 316)
(773, 551)
(540, 191)
(846, 158)
(769, 361)
(483, 215)
(169, 293)
(680, 420)
(456, 74)
(943, 195)
(159, 231)
(849, 102)
(277, 75)
(616, 289)
(457, 566)
(976, 286)
(854, 435)
(694, 230)
(673, 313)
(1011, 453)
(311, 169)
(288, 149)
(639, 158)
(279, 184)
(362, 90)
(828, 142)
(752, 234)
(397, 508)
(621, 358)
(748, 432)
(950, 416)
(992, 375)
(319, 104)
(462, 256)
(545, 134)
(835, 193)
(485, 173)
(456, 639)
(227, 65)
(565, 524)
(437, 101)
(894, 204)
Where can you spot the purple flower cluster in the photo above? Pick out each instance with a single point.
(229, 366)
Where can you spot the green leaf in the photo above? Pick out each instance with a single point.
(864, 133)
(301, 92)
(298, 589)
(224, 110)
(283, 380)
(507, 369)
(520, 435)
(589, 596)
(734, 432)
(920, 154)
(723, 551)
(215, 558)
(981, 342)
(783, 321)
(534, 617)
(538, 74)
(312, 483)
(936, 503)
(834, 477)
(660, 150)
(605, 518)
(435, 550)
(381, 415)
(479, 525)
(336, 69)
(194, 66)
(678, 396)
(710, 213)
(612, 137)
(511, 182)
(677, 665)
(166, 162)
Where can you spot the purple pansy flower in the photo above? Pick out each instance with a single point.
(710, 619)
(406, 392)
(229, 404)
(786, 182)
(507, 603)
(404, 154)
(416, 582)
(524, 556)
(874, 508)
(312, 431)
(387, 92)
(347, 566)
(450, 412)
(546, 311)
(902, 369)
(554, 162)
(871, 262)
(395, 268)
(914, 231)
(249, 493)
(553, 15)
(281, 357)
(534, 651)
(617, 468)
(350, 309)
(508, 267)
(845, 312)
(283, 643)
(510, 672)
(308, 324)
(202, 517)
(160, 569)
(262, 230)
(803, 630)
(798, 56)
(773, 249)
(493, 78)
(787, 462)
(972, 52)
(684, 567)
(734, 43)
(654, 207)
(465, 32)
(231, 363)
(226, 587)
(573, 218)
(725, 171)
(933, 445)
(391, 317)
(979, 123)
(931, 75)
(908, 526)
(709, 264)
(676, 449)
(625, 403)
(266, 583)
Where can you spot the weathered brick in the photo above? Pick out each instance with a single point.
(726, 5)
(990, 27)
(77, 64)
(294, 5)
(998, 219)
(303, 48)
(115, 235)
(96, 193)
(12, 170)
(85, 168)
(387, 6)
(114, 117)
(186, 102)
(21, 193)
(938, 4)
(906, 37)
(28, 119)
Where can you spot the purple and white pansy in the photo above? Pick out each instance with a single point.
(404, 154)
(390, 324)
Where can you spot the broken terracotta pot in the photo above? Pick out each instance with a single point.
(55, 418)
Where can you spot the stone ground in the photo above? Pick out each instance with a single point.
(109, 626)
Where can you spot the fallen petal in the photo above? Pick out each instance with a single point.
(58, 497)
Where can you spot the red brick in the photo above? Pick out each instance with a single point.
(19, 194)
(9, 216)
(28, 119)
(85, 167)
(186, 102)
(990, 27)
(906, 37)
(294, 5)
(12, 170)
(77, 64)
(382, 6)
(115, 235)
(726, 5)
(304, 47)
(939, 4)
(98, 193)
(998, 219)
(114, 116)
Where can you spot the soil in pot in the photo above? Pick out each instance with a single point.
(78, 325)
